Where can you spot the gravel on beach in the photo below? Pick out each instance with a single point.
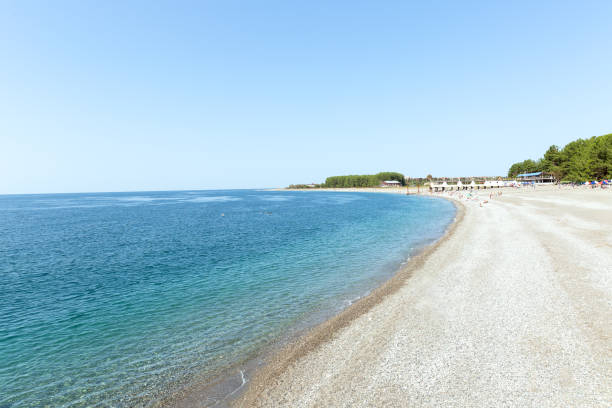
(512, 309)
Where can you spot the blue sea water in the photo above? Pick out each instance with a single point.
(117, 299)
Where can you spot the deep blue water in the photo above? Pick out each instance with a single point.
(116, 299)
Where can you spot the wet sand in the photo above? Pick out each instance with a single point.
(510, 308)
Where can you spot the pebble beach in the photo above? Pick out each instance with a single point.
(511, 308)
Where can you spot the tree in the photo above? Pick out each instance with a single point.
(526, 166)
(599, 160)
(551, 158)
(365, 180)
(580, 160)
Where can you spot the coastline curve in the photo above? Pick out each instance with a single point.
(276, 364)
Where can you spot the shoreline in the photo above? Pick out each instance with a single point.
(230, 385)
(278, 361)
(513, 309)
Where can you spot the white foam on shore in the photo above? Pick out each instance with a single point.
(244, 381)
(228, 396)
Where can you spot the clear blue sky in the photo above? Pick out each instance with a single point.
(130, 95)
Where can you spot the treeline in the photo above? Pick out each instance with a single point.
(580, 160)
(300, 186)
(366, 180)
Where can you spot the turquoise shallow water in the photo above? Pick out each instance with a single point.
(117, 299)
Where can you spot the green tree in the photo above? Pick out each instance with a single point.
(580, 160)
(599, 162)
(366, 180)
(574, 161)
(552, 158)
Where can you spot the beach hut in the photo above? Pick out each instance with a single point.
(537, 177)
(459, 185)
(472, 184)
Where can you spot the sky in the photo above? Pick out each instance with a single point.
(149, 95)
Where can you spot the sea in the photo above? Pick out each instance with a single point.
(122, 299)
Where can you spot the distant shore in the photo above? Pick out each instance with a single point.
(391, 190)
(512, 305)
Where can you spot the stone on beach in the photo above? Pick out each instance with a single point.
(512, 309)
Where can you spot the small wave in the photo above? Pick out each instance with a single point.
(340, 199)
(243, 382)
(276, 198)
(223, 400)
(215, 199)
(144, 199)
(57, 207)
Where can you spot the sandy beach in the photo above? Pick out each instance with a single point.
(511, 308)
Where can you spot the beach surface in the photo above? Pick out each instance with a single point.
(511, 308)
